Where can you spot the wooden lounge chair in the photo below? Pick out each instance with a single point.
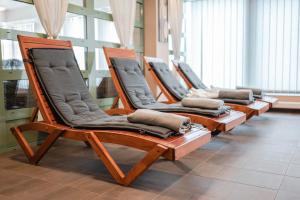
(256, 108)
(215, 124)
(172, 148)
(192, 81)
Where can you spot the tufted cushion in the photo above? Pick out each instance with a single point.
(169, 80)
(191, 76)
(135, 85)
(69, 98)
(139, 94)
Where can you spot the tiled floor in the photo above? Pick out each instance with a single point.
(258, 160)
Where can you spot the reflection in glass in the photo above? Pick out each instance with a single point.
(105, 88)
(26, 18)
(77, 2)
(102, 5)
(73, 26)
(105, 31)
(100, 60)
(17, 94)
(11, 55)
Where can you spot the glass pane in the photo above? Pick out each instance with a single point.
(86, 80)
(11, 55)
(26, 18)
(102, 5)
(138, 38)
(80, 56)
(77, 2)
(73, 26)
(100, 60)
(138, 12)
(17, 94)
(105, 88)
(105, 31)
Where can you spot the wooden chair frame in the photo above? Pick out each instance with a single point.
(249, 110)
(270, 100)
(215, 124)
(172, 148)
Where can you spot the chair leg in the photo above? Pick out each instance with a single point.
(34, 114)
(35, 157)
(145, 163)
(115, 102)
(107, 160)
(115, 170)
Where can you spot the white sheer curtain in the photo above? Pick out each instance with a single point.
(274, 55)
(215, 32)
(245, 42)
(52, 15)
(124, 17)
(175, 8)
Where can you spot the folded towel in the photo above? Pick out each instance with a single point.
(201, 93)
(177, 123)
(236, 94)
(205, 103)
(257, 93)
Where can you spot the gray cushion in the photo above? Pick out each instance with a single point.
(191, 76)
(133, 82)
(169, 80)
(139, 94)
(69, 98)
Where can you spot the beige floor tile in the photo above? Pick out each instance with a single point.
(291, 184)
(245, 192)
(283, 195)
(267, 166)
(293, 170)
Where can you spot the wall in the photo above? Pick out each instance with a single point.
(152, 47)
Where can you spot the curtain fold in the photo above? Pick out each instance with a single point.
(175, 9)
(52, 15)
(123, 13)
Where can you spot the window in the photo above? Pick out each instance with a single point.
(100, 60)
(102, 6)
(73, 26)
(248, 42)
(110, 33)
(11, 55)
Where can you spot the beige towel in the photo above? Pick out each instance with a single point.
(205, 103)
(201, 93)
(236, 94)
(177, 123)
(256, 91)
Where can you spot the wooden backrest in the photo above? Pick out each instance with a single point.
(186, 80)
(164, 90)
(27, 43)
(119, 53)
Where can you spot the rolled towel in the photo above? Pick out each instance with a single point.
(201, 93)
(236, 94)
(177, 123)
(205, 103)
(256, 91)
